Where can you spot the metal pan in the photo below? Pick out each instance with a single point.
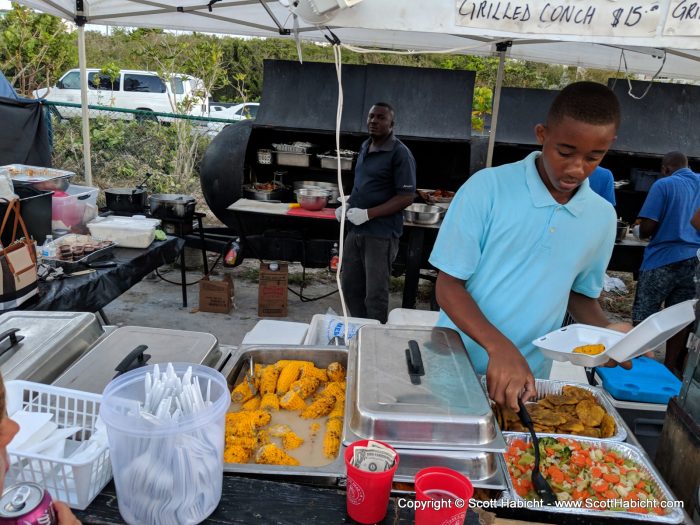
(550, 387)
(632, 453)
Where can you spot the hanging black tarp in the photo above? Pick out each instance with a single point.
(24, 136)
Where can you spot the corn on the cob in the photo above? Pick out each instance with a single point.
(247, 443)
(336, 372)
(239, 426)
(287, 376)
(271, 454)
(279, 430)
(237, 454)
(243, 392)
(292, 401)
(245, 423)
(331, 440)
(312, 371)
(263, 437)
(305, 387)
(319, 408)
(268, 380)
(270, 402)
(335, 389)
(290, 441)
(298, 362)
(338, 408)
(252, 404)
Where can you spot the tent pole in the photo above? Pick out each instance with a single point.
(84, 105)
(501, 47)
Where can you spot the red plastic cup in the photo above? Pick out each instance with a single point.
(368, 492)
(442, 496)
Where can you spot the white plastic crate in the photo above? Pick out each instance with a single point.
(74, 482)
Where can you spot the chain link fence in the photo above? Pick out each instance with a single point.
(126, 144)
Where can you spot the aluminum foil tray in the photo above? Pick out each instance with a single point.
(546, 387)
(39, 177)
(675, 514)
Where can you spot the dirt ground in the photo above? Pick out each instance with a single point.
(156, 303)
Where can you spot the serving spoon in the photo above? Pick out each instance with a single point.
(540, 484)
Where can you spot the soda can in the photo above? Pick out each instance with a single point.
(26, 503)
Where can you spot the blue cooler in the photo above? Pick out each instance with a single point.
(640, 396)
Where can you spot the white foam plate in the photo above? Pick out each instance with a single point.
(646, 336)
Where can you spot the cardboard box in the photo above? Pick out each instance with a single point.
(272, 290)
(216, 296)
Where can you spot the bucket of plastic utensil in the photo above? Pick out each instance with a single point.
(166, 442)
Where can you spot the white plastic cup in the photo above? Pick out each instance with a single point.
(165, 472)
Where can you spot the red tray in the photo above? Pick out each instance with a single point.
(325, 213)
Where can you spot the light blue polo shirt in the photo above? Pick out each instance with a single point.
(521, 253)
(671, 202)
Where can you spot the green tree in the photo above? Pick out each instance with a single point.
(35, 49)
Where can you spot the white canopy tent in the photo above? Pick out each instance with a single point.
(662, 35)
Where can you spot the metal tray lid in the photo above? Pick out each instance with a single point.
(445, 407)
(39, 333)
(129, 347)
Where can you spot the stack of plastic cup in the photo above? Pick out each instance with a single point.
(442, 496)
(368, 492)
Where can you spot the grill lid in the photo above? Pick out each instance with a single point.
(416, 388)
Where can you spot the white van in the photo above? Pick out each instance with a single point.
(133, 89)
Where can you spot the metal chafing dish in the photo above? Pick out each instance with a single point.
(38, 346)
(661, 489)
(546, 387)
(129, 347)
(235, 369)
(439, 418)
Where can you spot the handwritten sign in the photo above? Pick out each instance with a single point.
(683, 19)
(624, 18)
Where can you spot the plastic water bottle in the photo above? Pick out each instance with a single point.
(232, 256)
(333, 263)
(48, 250)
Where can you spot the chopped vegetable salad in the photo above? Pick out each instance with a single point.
(578, 471)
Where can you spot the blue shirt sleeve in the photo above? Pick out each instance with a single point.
(404, 166)
(460, 240)
(653, 206)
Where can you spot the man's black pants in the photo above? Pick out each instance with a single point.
(365, 274)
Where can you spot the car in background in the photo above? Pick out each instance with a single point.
(244, 111)
(131, 89)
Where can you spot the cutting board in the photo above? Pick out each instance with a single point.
(325, 213)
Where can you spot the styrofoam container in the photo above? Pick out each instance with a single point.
(646, 336)
(411, 317)
(324, 328)
(127, 232)
(268, 332)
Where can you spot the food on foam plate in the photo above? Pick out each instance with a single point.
(575, 411)
(577, 471)
(283, 409)
(589, 349)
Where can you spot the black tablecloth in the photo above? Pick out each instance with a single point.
(93, 291)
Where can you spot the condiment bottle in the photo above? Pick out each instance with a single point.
(333, 263)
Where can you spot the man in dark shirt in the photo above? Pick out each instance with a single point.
(385, 183)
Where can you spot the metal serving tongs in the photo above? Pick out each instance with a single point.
(542, 488)
(250, 376)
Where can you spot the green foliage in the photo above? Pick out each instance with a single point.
(481, 106)
(35, 49)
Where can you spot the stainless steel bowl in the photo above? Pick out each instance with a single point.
(423, 214)
(312, 199)
(330, 186)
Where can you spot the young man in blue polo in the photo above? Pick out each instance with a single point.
(524, 242)
(668, 268)
(385, 183)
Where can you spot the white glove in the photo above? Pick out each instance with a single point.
(357, 216)
(339, 212)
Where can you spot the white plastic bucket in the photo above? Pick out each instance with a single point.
(166, 472)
